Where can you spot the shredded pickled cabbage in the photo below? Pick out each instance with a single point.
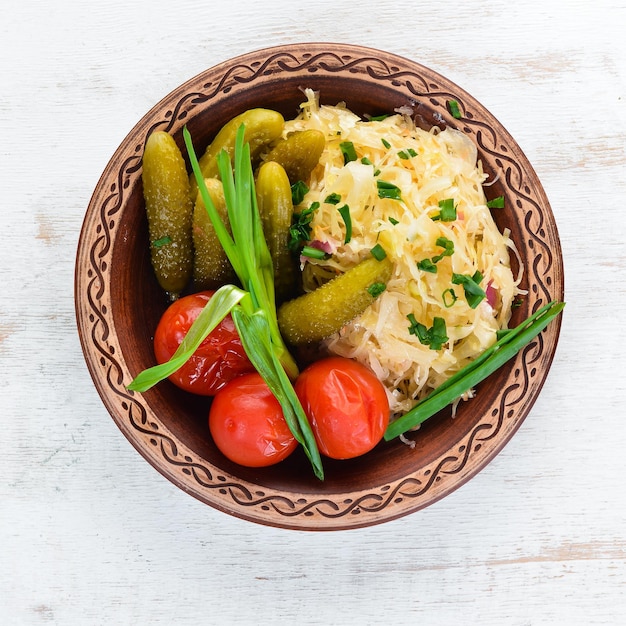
(428, 167)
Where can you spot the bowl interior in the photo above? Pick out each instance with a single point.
(168, 426)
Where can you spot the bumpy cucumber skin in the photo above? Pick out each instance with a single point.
(169, 210)
(276, 210)
(262, 127)
(298, 153)
(211, 267)
(320, 313)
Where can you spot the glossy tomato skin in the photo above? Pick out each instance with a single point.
(220, 357)
(247, 423)
(346, 405)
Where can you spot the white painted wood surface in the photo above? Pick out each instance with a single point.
(90, 534)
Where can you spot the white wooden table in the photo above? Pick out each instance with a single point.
(90, 534)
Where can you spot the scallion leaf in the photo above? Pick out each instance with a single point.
(385, 143)
(163, 241)
(453, 105)
(416, 328)
(430, 265)
(448, 297)
(388, 190)
(433, 337)
(300, 230)
(218, 307)
(344, 211)
(348, 150)
(496, 203)
(256, 338)
(407, 154)
(313, 253)
(378, 252)
(375, 289)
(333, 198)
(447, 211)
(475, 372)
(298, 190)
(448, 245)
(438, 334)
(473, 292)
(426, 265)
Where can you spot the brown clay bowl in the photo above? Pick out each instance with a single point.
(118, 301)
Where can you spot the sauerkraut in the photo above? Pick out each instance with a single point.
(436, 228)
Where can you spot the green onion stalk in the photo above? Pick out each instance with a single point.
(507, 346)
(247, 249)
(253, 307)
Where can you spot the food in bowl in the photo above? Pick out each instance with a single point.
(119, 301)
(403, 270)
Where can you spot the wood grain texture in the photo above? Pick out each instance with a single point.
(92, 535)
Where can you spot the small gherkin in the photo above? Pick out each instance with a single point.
(169, 210)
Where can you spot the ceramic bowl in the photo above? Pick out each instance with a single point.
(118, 302)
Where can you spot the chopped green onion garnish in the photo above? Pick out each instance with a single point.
(344, 211)
(438, 334)
(333, 198)
(375, 289)
(414, 325)
(313, 253)
(378, 252)
(448, 246)
(433, 337)
(496, 203)
(407, 154)
(476, 371)
(454, 109)
(385, 143)
(429, 265)
(473, 292)
(300, 230)
(379, 118)
(448, 210)
(393, 220)
(366, 161)
(298, 190)
(163, 241)
(448, 297)
(348, 151)
(426, 265)
(388, 190)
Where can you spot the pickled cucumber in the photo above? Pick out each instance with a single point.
(169, 210)
(322, 312)
(276, 209)
(298, 153)
(211, 267)
(263, 126)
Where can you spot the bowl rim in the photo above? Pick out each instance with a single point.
(224, 490)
